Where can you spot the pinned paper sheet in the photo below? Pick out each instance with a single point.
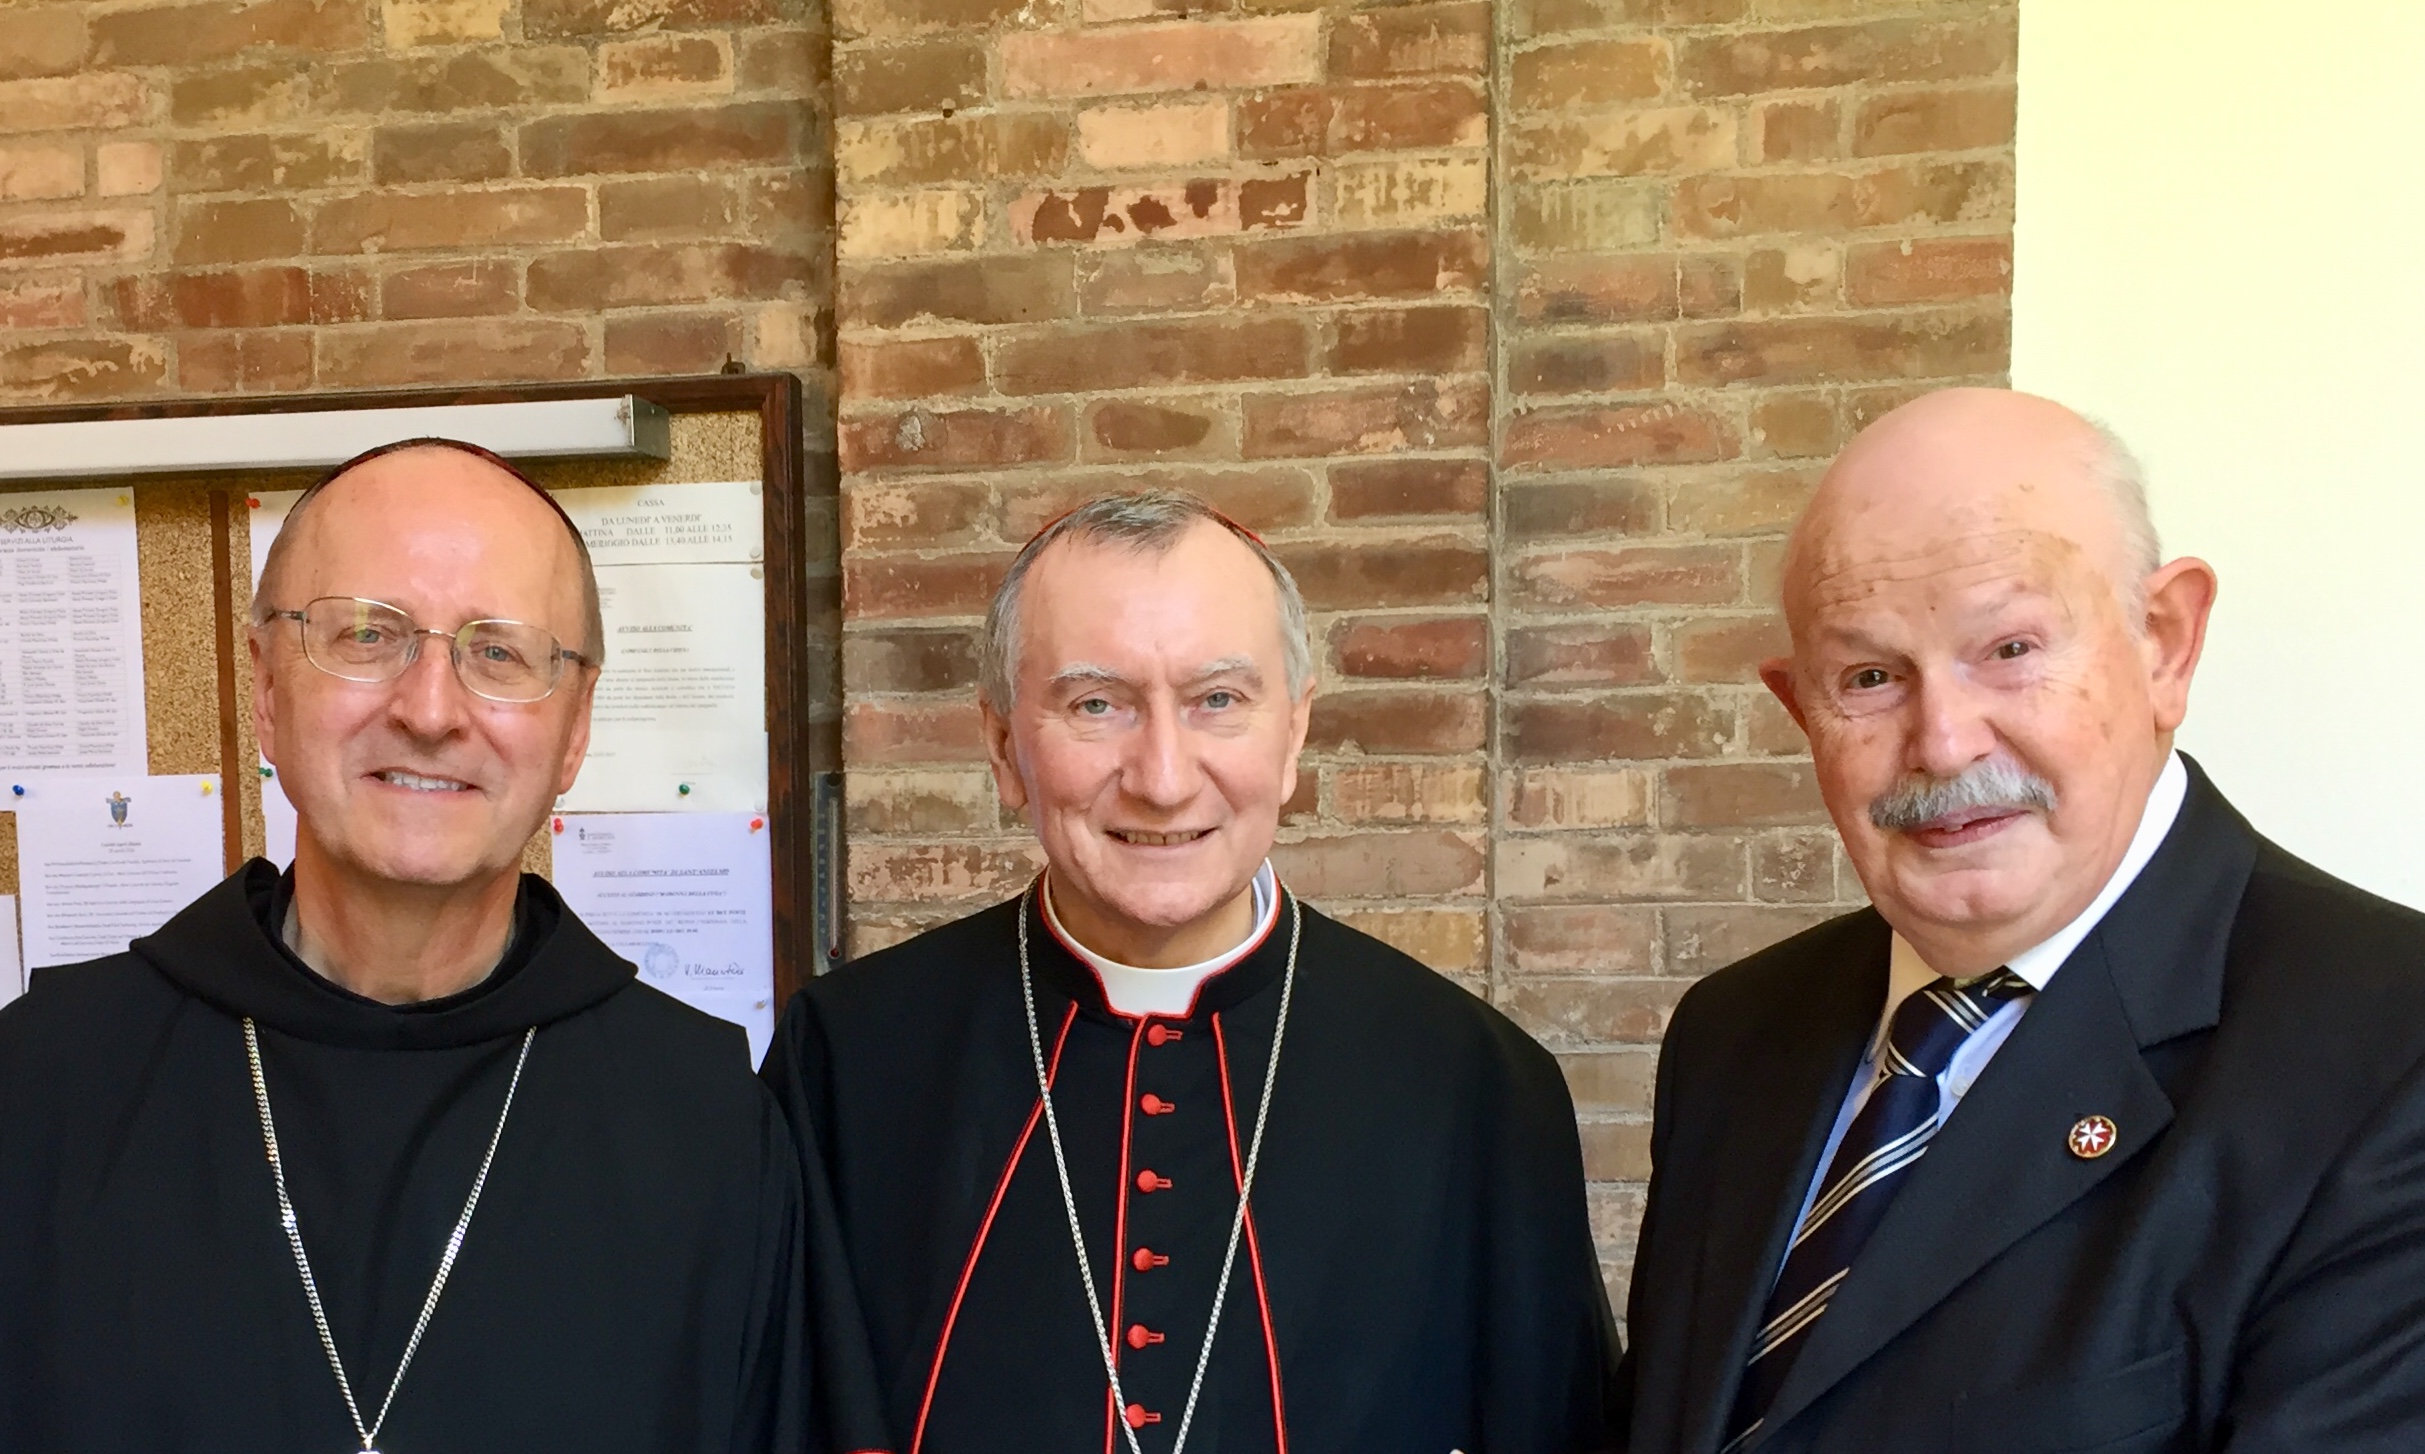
(668, 524)
(277, 820)
(688, 897)
(679, 721)
(104, 860)
(12, 957)
(71, 634)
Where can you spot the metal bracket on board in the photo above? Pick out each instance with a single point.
(825, 868)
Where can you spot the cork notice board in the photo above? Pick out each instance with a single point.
(194, 551)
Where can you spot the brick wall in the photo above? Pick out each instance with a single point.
(1521, 333)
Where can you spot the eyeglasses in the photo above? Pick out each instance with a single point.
(371, 641)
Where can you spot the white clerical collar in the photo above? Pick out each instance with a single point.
(1133, 991)
(2037, 964)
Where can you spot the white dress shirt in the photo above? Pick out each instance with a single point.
(1908, 974)
(1135, 991)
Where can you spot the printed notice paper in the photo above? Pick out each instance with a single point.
(12, 962)
(71, 633)
(688, 897)
(723, 523)
(103, 860)
(679, 721)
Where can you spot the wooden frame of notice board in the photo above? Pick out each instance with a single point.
(802, 788)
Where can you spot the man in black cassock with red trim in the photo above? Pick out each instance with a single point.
(1410, 1267)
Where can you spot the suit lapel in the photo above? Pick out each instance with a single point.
(1765, 1155)
(2003, 1167)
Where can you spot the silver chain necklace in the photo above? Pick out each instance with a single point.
(1069, 1200)
(303, 1264)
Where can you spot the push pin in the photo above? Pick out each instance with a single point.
(267, 771)
(682, 789)
(559, 825)
(206, 790)
(756, 823)
(17, 788)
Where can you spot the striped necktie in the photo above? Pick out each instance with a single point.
(1887, 1137)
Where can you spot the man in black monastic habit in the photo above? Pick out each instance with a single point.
(387, 1150)
(1265, 1132)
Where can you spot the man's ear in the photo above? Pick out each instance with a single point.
(1777, 674)
(265, 714)
(1300, 721)
(2180, 599)
(1003, 754)
(576, 747)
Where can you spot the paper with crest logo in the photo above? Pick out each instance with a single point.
(687, 897)
(105, 860)
(71, 633)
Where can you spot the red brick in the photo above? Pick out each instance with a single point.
(1451, 941)
(1582, 654)
(1597, 290)
(1616, 436)
(1638, 575)
(1581, 939)
(932, 75)
(704, 138)
(441, 84)
(1929, 270)
(1915, 121)
(954, 439)
(613, 277)
(913, 514)
(857, 19)
(1709, 286)
(1028, 289)
(666, 207)
(1748, 502)
(1334, 121)
(915, 368)
(468, 351)
(41, 173)
(1179, 56)
(1796, 278)
(1631, 726)
(1794, 867)
(1265, 499)
(1838, 350)
(193, 34)
(672, 343)
(33, 303)
(1411, 40)
(657, 65)
(41, 42)
(1118, 427)
(570, 18)
(385, 222)
(1601, 363)
(95, 100)
(249, 362)
(251, 298)
(1152, 279)
(1398, 720)
(452, 290)
(1573, 798)
(1417, 416)
(1741, 795)
(943, 871)
(1882, 51)
(446, 151)
(1208, 350)
(1371, 265)
(1743, 205)
(914, 659)
(1597, 72)
(1451, 648)
(1407, 792)
(1971, 192)
(342, 295)
(1381, 865)
(1381, 489)
(791, 61)
(897, 586)
(1563, 509)
(1410, 340)
(1772, 731)
(919, 803)
(1428, 572)
(1702, 939)
(1564, 1012)
(1118, 216)
(902, 153)
(1799, 130)
(1621, 866)
(81, 368)
(266, 163)
(34, 238)
(1801, 426)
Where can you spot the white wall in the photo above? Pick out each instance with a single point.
(2221, 251)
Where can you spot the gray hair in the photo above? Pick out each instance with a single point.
(1147, 522)
(2125, 483)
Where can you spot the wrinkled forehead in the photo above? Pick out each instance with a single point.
(1838, 580)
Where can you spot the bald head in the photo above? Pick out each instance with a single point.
(1967, 462)
(439, 479)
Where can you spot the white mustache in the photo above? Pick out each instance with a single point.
(1996, 783)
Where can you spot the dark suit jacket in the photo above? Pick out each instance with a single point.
(2244, 1271)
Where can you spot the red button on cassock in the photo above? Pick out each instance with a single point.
(1140, 1336)
(1139, 1416)
(1146, 1260)
(1148, 1182)
(1159, 1035)
(1154, 1105)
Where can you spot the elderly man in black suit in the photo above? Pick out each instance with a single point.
(2105, 1128)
